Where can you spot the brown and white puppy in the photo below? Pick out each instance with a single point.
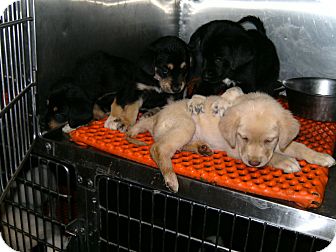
(190, 124)
(252, 127)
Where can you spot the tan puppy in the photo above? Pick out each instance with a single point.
(185, 125)
(253, 127)
(261, 132)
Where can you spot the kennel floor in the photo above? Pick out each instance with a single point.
(305, 188)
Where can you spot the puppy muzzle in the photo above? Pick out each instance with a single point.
(170, 87)
(210, 76)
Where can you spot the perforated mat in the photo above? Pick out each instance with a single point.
(306, 188)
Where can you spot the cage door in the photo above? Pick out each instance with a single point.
(18, 124)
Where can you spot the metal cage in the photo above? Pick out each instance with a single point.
(38, 206)
(18, 122)
(57, 196)
(134, 218)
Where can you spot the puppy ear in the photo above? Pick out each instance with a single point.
(228, 126)
(147, 61)
(288, 127)
(195, 41)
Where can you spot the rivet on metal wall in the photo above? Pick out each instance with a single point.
(48, 147)
(79, 179)
(94, 200)
(90, 183)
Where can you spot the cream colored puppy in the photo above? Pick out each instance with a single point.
(260, 132)
(252, 127)
(190, 125)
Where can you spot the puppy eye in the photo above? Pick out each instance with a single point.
(244, 138)
(218, 60)
(267, 141)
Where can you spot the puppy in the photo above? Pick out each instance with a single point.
(260, 132)
(159, 78)
(100, 80)
(253, 127)
(226, 54)
(190, 125)
(68, 103)
(89, 92)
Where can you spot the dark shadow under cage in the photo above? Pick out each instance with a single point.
(133, 218)
(38, 206)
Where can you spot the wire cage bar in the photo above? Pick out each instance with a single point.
(18, 122)
(38, 206)
(134, 218)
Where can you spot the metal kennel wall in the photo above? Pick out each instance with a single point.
(58, 196)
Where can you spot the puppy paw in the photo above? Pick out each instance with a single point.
(196, 104)
(171, 181)
(151, 112)
(229, 83)
(288, 165)
(232, 94)
(322, 159)
(115, 123)
(204, 150)
(67, 129)
(219, 107)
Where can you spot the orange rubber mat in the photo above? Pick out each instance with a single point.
(306, 188)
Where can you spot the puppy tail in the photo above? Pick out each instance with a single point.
(136, 141)
(255, 21)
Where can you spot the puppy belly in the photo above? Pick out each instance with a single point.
(207, 131)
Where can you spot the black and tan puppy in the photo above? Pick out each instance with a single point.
(87, 93)
(158, 78)
(226, 54)
(102, 79)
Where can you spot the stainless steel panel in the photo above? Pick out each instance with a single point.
(303, 31)
(69, 29)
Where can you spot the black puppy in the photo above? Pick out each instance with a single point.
(226, 54)
(102, 79)
(69, 103)
(159, 77)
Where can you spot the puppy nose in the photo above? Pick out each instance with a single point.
(176, 88)
(208, 75)
(254, 162)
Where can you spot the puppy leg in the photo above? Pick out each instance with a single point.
(113, 121)
(199, 148)
(121, 118)
(300, 151)
(285, 163)
(163, 150)
(143, 125)
(151, 112)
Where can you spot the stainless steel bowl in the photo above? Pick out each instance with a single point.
(313, 98)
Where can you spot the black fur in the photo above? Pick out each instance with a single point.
(101, 78)
(224, 49)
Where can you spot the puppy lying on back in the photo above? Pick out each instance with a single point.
(226, 54)
(190, 125)
(252, 127)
